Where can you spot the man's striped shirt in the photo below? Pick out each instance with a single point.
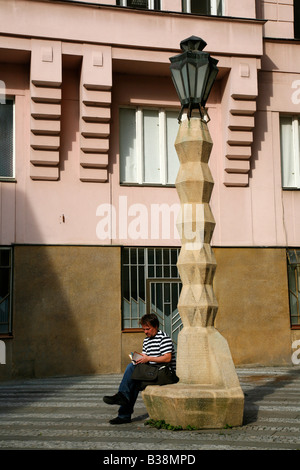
(159, 345)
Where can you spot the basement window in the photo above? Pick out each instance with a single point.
(293, 261)
(5, 291)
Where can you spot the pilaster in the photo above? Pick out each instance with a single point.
(239, 106)
(95, 113)
(45, 96)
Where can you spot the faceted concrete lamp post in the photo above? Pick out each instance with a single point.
(208, 394)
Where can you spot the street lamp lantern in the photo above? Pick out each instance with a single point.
(193, 73)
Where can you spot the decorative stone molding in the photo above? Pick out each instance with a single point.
(239, 105)
(95, 113)
(45, 96)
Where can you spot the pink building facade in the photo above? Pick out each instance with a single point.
(88, 120)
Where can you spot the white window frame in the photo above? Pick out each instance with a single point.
(11, 178)
(213, 7)
(163, 148)
(123, 3)
(294, 157)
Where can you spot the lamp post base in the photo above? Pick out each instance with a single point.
(208, 394)
(199, 406)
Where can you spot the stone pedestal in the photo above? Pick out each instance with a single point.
(208, 394)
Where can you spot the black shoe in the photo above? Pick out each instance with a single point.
(118, 420)
(118, 399)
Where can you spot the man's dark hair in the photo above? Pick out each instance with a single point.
(150, 319)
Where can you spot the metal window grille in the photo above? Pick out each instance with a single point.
(5, 290)
(139, 265)
(162, 299)
(293, 262)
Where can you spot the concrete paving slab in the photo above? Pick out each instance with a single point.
(67, 413)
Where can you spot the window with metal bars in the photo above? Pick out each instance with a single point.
(7, 139)
(139, 265)
(5, 291)
(293, 258)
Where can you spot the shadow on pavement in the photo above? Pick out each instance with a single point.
(264, 385)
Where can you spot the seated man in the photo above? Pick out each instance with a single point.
(157, 349)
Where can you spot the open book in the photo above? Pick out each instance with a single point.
(135, 356)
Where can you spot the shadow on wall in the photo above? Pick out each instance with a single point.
(66, 299)
(65, 320)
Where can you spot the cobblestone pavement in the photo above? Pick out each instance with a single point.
(68, 413)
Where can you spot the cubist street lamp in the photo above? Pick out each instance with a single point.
(208, 394)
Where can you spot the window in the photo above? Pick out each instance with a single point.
(143, 4)
(5, 290)
(147, 152)
(203, 7)
(293, 257)
(7, 139)
(151, 284)
(290, 151)
(139, 265)
(297, 19)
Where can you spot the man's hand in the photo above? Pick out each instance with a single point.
(143, 360)
(165, 358)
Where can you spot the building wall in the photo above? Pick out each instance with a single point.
(67, 317)
(69, 82)
(252, 292)
(280, 18)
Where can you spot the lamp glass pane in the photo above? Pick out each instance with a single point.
(201, 80)
(178, 83)
(192, 76)
(184, 72)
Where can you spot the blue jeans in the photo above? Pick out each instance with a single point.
(129, 388)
